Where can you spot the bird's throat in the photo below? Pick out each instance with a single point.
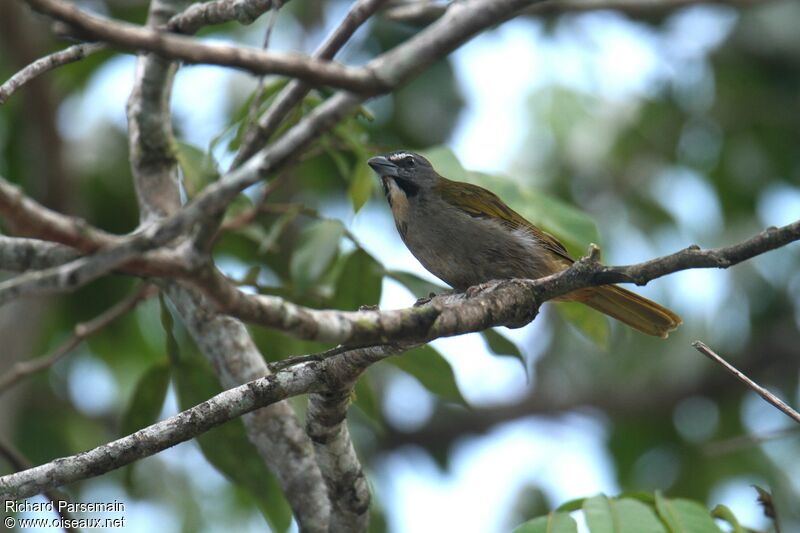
(398, 201)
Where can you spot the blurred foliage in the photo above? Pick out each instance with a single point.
(634, 514)
(707, 154)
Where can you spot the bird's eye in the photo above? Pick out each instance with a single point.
(406, 162)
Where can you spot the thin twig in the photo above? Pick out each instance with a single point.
(764, 393)
(81, 331)
(247, 216)
(255, 103)
(46, 63)
(296, 90)
(745, 441)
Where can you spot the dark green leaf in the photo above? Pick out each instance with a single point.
(501, 345)
(316, 250)
(431, 370)
(147, 399)
(359, 282)
(571, 505)
(552, 523)
(724, 513)
(362, 182)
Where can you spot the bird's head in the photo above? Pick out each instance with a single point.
(411, 172)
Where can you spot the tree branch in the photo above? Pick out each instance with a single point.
(423, 12)
(217, 410)
(27, 217)
(18, 254)
(176, 47)
(299, 379)
(510, 303)
(44, 64)
(219, 12)
(20, 462)
(78, 272)
(326, 424)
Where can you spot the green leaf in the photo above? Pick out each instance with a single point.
(588, 321)
(418, 286)
(685, 516)
(552, 523)
(724, 513)
(637, 517)
(601, 517)
(431, 370)
(199, 167)
(571, 505)
(501, 345)
(572, 226)
(361, 184)
(317, 249)
(359, 282)
(611, 515)
(147, 399)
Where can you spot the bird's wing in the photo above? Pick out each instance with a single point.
(482, 203)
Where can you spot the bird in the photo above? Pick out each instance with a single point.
(466, 236)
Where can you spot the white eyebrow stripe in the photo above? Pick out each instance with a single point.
(401, 155)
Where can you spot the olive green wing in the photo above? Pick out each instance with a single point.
(482, 203)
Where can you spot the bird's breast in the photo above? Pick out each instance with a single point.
(463, 250)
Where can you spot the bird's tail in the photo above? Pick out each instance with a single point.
(629, 308)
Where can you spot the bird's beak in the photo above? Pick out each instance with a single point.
(382, 166)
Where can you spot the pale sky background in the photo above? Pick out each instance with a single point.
(600, 53)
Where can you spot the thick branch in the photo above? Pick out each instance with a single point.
(78, 272)
(27, 217)
(18, 254)
(44, 64)
(326, 424)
